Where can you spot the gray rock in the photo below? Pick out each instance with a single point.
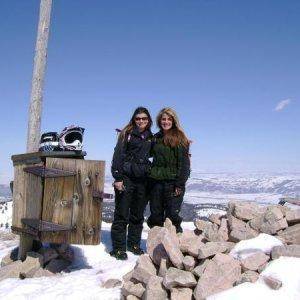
(291, 235)
(155, 247)
(171, 228)
(272, 282)
(132, 297)
(229, 245)
(57, 265)
(163, 267)
(11, 271)
(198, 271)
(196, 244)
(273, 214)
(230, 209)
(220, 274)
(10, 257)
(235, 223)
(155, 289)
(201, 224)
(247, 210)
(246, 233)
(111, 283)
(65, 251)
(223, 230)
(61, 248)
(181, 294)
(130, 288)
(270, 222)
(254, 261)
(127, 276)
(186, 240)
(293, 216)
(144, 269)
(211, 248)
(68, 255)
(48, 254)
(172, 248)
(262, 267)
(31, 264)
(248, 276)
(189, 263)
(215, 218)
(288, 250)
(178, 278)
(211, 233)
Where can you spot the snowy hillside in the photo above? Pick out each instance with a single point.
(287, 184)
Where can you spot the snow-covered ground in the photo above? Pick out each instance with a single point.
(93, 266)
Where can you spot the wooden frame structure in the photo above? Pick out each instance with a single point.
(57, 197)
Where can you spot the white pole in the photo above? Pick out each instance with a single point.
(36, 98)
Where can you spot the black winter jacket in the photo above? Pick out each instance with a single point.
(131, 155)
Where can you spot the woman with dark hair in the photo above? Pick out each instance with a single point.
(170, 170)
(130, 168)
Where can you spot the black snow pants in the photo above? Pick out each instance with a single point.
(130, 205)
(164, 204)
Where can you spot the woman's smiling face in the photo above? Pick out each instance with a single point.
(141, 121)
(166, 122)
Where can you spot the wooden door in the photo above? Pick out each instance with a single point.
(70, 201)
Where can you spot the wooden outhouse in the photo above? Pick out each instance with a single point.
(57, 197)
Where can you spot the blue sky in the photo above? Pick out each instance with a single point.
(224, 66)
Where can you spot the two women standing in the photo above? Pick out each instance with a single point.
(136, 180)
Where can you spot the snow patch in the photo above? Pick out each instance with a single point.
(263, 242)
(286, 269)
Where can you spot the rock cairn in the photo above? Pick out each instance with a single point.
(46, 261)
(198, 263)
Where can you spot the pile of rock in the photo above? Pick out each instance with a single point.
(47, 261)
(198, 263)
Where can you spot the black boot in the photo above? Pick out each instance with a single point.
(118, 254)
(135, 249)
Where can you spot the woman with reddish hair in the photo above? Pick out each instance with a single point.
(170, 170)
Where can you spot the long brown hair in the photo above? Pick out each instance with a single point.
(129, 127)
(175, 136)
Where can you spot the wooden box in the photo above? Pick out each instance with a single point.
(57, 197)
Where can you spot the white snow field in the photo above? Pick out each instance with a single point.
(93, 266)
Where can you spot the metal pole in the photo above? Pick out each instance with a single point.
(36, 98)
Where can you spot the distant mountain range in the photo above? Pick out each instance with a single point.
(5, 190)
(285, 184)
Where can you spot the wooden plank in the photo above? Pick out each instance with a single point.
(92, 179)
(38, 157)
(69, 201)
(77, 237)
(57, 203)
(18, 211)
(27, 198)
(48, 172)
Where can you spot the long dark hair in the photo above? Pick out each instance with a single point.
(129, 127)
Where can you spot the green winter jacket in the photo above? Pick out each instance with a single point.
(169, 163)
